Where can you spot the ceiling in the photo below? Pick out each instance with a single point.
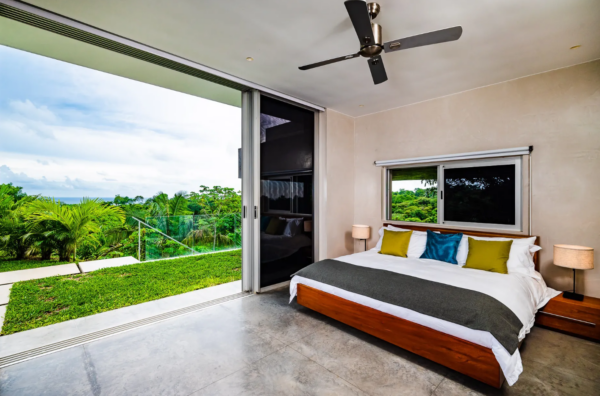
(501, 40)
(42, 42)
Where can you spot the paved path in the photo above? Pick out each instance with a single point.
(89, 266)
(37, 273)
(4, 293)
(2, 313)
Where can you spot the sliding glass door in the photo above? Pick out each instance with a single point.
(278, 183)
(287, 136)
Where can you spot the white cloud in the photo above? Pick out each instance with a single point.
(31, 184)
(82, 132)
(32, 112)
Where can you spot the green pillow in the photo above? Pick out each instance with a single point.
(488, 255)
(276, 226)
(395, 243)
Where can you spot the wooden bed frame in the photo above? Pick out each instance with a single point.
(463, 356)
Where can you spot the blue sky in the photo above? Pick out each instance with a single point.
(69, 131)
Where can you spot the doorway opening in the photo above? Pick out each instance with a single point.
(287, 137)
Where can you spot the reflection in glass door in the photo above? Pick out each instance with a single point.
(286, 189)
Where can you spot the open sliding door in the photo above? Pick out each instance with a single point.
(278, 189)
(286, 207)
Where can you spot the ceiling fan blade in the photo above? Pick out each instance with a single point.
(359, 15)
(377, 69)
(327, 62)
(439, 36)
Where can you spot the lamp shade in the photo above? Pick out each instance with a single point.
(573, 256)
(307, 225)
(361, 231)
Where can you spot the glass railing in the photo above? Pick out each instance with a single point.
(178, 236)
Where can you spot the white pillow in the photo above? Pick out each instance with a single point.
(463, 251)
(520, 259)
(416, 245)
(293, 226)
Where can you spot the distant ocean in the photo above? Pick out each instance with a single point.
(76, 200)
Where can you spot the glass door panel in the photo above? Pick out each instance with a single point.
(286, 189)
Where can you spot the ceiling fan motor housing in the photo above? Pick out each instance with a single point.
(373, 9)
(373, 45)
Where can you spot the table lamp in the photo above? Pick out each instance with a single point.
(361, 232)
(307, 225)
(575, 257)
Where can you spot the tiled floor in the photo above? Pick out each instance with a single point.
(261, 345)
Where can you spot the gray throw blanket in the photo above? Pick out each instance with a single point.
(465, 307)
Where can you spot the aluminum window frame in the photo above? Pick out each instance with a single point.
(517, 161)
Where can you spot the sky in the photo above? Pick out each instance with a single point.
(69, 131)
(410, 185)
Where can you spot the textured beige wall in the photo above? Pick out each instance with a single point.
(558, 112)
(340, 184)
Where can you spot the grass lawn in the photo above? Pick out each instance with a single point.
(42, 302)
(14, 265)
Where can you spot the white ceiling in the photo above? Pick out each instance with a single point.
(501, 40)
(42, 42)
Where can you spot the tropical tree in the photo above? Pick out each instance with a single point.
(214, 202)
(71, 225)
(163, 208)
(162, 205)
(418, 206)
(15, 192)
(12, 221)
(125, 200)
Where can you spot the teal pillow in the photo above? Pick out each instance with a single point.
(264, 223)
(442, 247)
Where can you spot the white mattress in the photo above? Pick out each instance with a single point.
(276, 247)
(522, 294)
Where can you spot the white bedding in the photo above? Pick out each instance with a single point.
(276, 247)
(522, 294)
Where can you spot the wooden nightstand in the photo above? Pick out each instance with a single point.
(581, 318)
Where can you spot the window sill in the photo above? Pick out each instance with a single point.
(436, 226)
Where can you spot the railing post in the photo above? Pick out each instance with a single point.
(163, 234)
(139, 241)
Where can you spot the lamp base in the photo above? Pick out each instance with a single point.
(573, 296)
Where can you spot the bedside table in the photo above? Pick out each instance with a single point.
(580, 318)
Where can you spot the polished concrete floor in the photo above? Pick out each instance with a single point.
(260, 345)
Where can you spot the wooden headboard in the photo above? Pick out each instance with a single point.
(488, 234)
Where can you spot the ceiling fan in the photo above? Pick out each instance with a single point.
(371, 39)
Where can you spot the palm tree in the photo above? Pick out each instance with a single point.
(12, 222)
(214, 202)
(72, 224)
(162, 205)
(206, 232)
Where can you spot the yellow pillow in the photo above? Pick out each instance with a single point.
(488, 255)
(395, 243)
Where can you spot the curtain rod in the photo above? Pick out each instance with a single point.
(462, 156)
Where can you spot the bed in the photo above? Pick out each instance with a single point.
(479, 352)
(277, 247)
(283, 255)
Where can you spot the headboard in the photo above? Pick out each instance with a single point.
(488, 234)
(288, 215)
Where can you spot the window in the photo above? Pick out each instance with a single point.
(479, 193)
(414, 194)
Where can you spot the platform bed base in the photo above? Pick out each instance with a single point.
(463, 356)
